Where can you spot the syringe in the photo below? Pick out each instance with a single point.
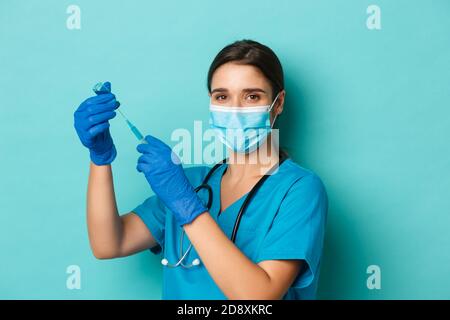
(105, 87)
(133, 128)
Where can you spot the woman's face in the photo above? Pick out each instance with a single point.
(240, 85)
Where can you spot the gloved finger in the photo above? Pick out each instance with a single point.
(80, 116)
(144, 148)
(100, 117)
(102, 107)
(101, 98)
(149, 150)
(99, 128)
(153, 145)
(151, 140)
(80, 120)
(143, 167)
(144, 159)
(174, 158)
(87, 104)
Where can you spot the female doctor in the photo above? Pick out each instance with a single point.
(265, 247)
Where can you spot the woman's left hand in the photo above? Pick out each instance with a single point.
(163, 170)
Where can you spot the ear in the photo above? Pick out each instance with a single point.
(279, 104)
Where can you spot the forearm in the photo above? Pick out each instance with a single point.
(103, 220)
(236, 275)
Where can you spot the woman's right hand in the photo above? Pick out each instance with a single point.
(91, 121)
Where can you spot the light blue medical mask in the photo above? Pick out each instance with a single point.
(242, 129)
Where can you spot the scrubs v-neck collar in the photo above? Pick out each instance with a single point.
(230, 213)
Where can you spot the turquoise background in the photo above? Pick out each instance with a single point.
(367, 110)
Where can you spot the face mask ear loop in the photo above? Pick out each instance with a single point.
(274, 119)
(273, 103)
(271, 106)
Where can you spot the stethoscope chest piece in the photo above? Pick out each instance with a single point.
(180, 262)
(194, 263)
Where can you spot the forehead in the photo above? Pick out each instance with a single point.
(234, 77)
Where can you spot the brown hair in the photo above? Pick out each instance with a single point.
(249, 52)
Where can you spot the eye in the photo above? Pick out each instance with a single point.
(220, 97)
(253, 97)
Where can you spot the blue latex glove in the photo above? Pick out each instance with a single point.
(92, 126)
(165, 174)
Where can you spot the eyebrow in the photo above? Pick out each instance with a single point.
(244, 90)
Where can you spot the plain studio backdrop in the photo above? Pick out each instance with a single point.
(367, 110)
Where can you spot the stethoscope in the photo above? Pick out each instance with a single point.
(204, 185)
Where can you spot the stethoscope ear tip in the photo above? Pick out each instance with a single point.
(195, 262)
(164, 262)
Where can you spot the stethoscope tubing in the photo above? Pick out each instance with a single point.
(241, 212)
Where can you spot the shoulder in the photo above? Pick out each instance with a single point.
(306, 196)
(302, 179)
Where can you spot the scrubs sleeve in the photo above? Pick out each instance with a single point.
(297, 231)
(152, 212)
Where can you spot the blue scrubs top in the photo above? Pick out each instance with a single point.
(285, 220)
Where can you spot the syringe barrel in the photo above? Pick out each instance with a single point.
(136, 133)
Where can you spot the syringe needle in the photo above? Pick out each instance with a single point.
(133, 128)
(122, 114)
